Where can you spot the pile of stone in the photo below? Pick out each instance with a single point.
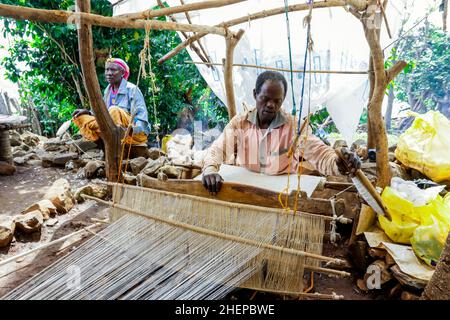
(58, 200)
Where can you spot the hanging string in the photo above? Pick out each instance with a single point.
(307, 22)
(286, 11)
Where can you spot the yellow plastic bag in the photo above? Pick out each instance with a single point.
(404, 217)
(424, 227)
(425, 146)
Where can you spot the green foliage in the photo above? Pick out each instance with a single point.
(43, 59)
(425, 81)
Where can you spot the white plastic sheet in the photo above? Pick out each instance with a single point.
(339, 45)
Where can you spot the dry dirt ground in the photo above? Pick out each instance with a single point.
(29, 184)
(21, 190)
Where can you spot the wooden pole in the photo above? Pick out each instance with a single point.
(358, 5)
(179, 9)
(381, 78)
(231, 43)
(279, 69)
(59, 16)
(110, 133)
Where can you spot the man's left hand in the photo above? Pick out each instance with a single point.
(352, 161)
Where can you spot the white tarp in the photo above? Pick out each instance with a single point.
(339, 45)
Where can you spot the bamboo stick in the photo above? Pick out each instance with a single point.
(44, 246)
(216, 233)
(179, 9)
(226, 203)
(359, 5)
(278, 69)
(59, 16)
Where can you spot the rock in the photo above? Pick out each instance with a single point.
(45, 206)
(94, 154)
(7, 227)
(92, 167)
(51, 222)
(172, 171)
(339, 144)
(47, 160)
(137, 165)
(76, 164)
(31, 156)
(91, 190)
(30, 139)
(20, 161)
(155, 153)
(25, 147)
(61, 196)
(153, 165)
(14, 138)
(83, 144)
(55, 144)
(6, 169)
(399, 171)
(129, 179)
(62, 158)
(35, 163)
(29, 222)
(18, 152)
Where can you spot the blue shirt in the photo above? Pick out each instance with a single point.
(124, 99)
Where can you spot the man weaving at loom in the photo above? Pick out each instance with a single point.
(260, 139)
(123, 100)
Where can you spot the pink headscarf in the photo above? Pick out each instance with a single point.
(121, 64)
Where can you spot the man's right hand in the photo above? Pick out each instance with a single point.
(212, 182)
(80, 112)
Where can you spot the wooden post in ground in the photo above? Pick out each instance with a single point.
(439, 286)
(231, 43)
(110, 133)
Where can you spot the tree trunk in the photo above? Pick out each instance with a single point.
(390, 104)
(110, 133)
(382, 79)
(439, 286)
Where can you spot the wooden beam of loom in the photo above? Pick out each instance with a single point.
(179, 9)
(358, 5)
(243, 194)
(60, 16)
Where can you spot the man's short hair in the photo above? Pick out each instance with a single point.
(270, 76)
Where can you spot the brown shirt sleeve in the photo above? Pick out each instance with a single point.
(223, 149)
(321, 156)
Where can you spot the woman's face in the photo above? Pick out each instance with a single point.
(113, 73)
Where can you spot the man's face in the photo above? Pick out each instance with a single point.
(269, 100)
(113, 73)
